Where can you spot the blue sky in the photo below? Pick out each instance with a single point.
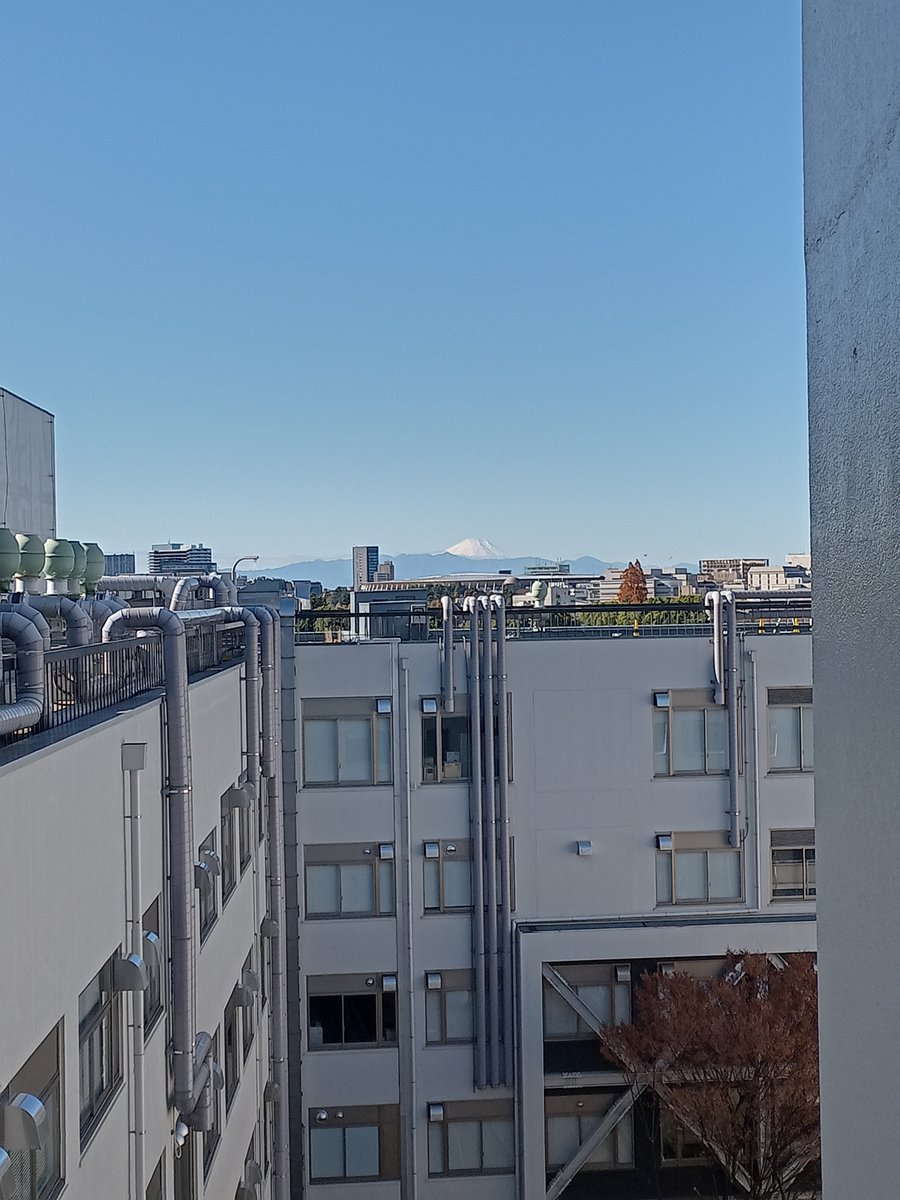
(295, 275)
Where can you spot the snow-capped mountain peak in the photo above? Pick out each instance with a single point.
(475, 547)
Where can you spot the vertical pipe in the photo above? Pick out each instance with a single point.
(712, 602)
(137, 998)
(447, 655)
(503, 830)
(755, 750)
(477, 814)
(731, 700)
(406, 1023)
(490, 815)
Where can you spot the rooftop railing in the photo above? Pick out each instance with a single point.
(87, 680)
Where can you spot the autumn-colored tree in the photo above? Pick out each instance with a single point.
(735, 1060)
(633, 588)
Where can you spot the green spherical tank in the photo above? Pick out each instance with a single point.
(95, 566)
(60, 558)
(80, 561)
(31, 555)
(539, 590)
(9, 557)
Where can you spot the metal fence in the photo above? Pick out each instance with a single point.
(84, 680)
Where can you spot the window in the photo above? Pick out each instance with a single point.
(347, 1011)
(263, 970)
(448, 876)
(231, 1041)
(448, 1007)
(793, 864)
(183, 1168)
(346, 742)
(99, 1048)
(690, 735)
(153, 957)
(156, 1186)
(474, 1137)
(790, 729)
(38, 1173)
(571, 1119)
(445, 743)
(697, 868)
(248, 1013)
(229, 868)
(356, 1143)
(604, 987)
(245, 836)
(213, 1135)
(352, 880)
(208, 903)
(680, 1147)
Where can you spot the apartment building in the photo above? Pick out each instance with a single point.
(650, 799)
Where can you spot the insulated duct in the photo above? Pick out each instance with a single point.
(25, 610)
(79, 628)
(28, 708)
(447, 654)
(490, 827)
(712, 602)
(732, 671)
(505, 918)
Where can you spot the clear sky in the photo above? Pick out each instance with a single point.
(295, 274)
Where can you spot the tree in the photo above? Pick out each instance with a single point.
(633, 588)
(735, 1060)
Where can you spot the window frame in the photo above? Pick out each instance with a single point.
(232, 1053)
(697, 843)
(208, 904)
(248, 1014)
(333, 711)
(779, 699)
(353, 855)
(665, 715)
(793, 841)
(384, 1118)
(212, 1137)
(156, 969)
(33, 1077)
(453, 981)
(104, 1022)
(461, 852)
(581, 977)
(565, 1107)
(343, 987)
(480, 1112)
(438, 717)
(228, 854)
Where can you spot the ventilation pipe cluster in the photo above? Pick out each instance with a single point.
(722, 609)
(491, 867)
(28, 708)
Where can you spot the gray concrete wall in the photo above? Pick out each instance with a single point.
(852, 183)
(27, 468)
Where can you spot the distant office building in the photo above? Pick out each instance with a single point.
(385, 572)
(365, 565)
(305, 589)
(180, 558)
(729, 570)
(798, 560)
(549, 568)
(118, 564)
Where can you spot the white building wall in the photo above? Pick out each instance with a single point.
(27, 467)
(851, 55)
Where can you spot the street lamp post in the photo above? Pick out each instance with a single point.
(243, 558)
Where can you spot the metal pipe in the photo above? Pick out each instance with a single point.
(754, 700)
(731, 700)
(137, 998)
(477, 817)
(178, 599)
(79, 628)
(181, 836)
(33, 616)
(503, 831)
(137, 583)
(100, 610)
(712, 602)
(28, 708)
(271, 672)
(406, 1010)
(447, 656)
(490, 815)
(222, 593)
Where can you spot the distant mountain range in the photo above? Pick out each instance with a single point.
(338, 572)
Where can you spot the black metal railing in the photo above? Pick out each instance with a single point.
(85, 680)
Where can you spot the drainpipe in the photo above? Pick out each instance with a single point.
(447, 658)
(181, 839)
(503, 821)
(133, 759)
(712, 602)
(477, 814)
(406, 1012)
(32, 614)
(79, 628)
(490, 813)
(755, 748)
(28, 709)
(271, 672)
(731, 700)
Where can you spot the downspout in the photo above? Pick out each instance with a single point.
(271, 671)
(503, 823)
(755, 746)
(731, 700)
(136, 998)
(79, 627)
(490, 815)
(187, 1079)
(409, 1183)
(447, 655)
(477, 814)
(712, 602)
(28, 708)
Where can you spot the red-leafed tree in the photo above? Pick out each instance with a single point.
(633, 588)
(735, 1060)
